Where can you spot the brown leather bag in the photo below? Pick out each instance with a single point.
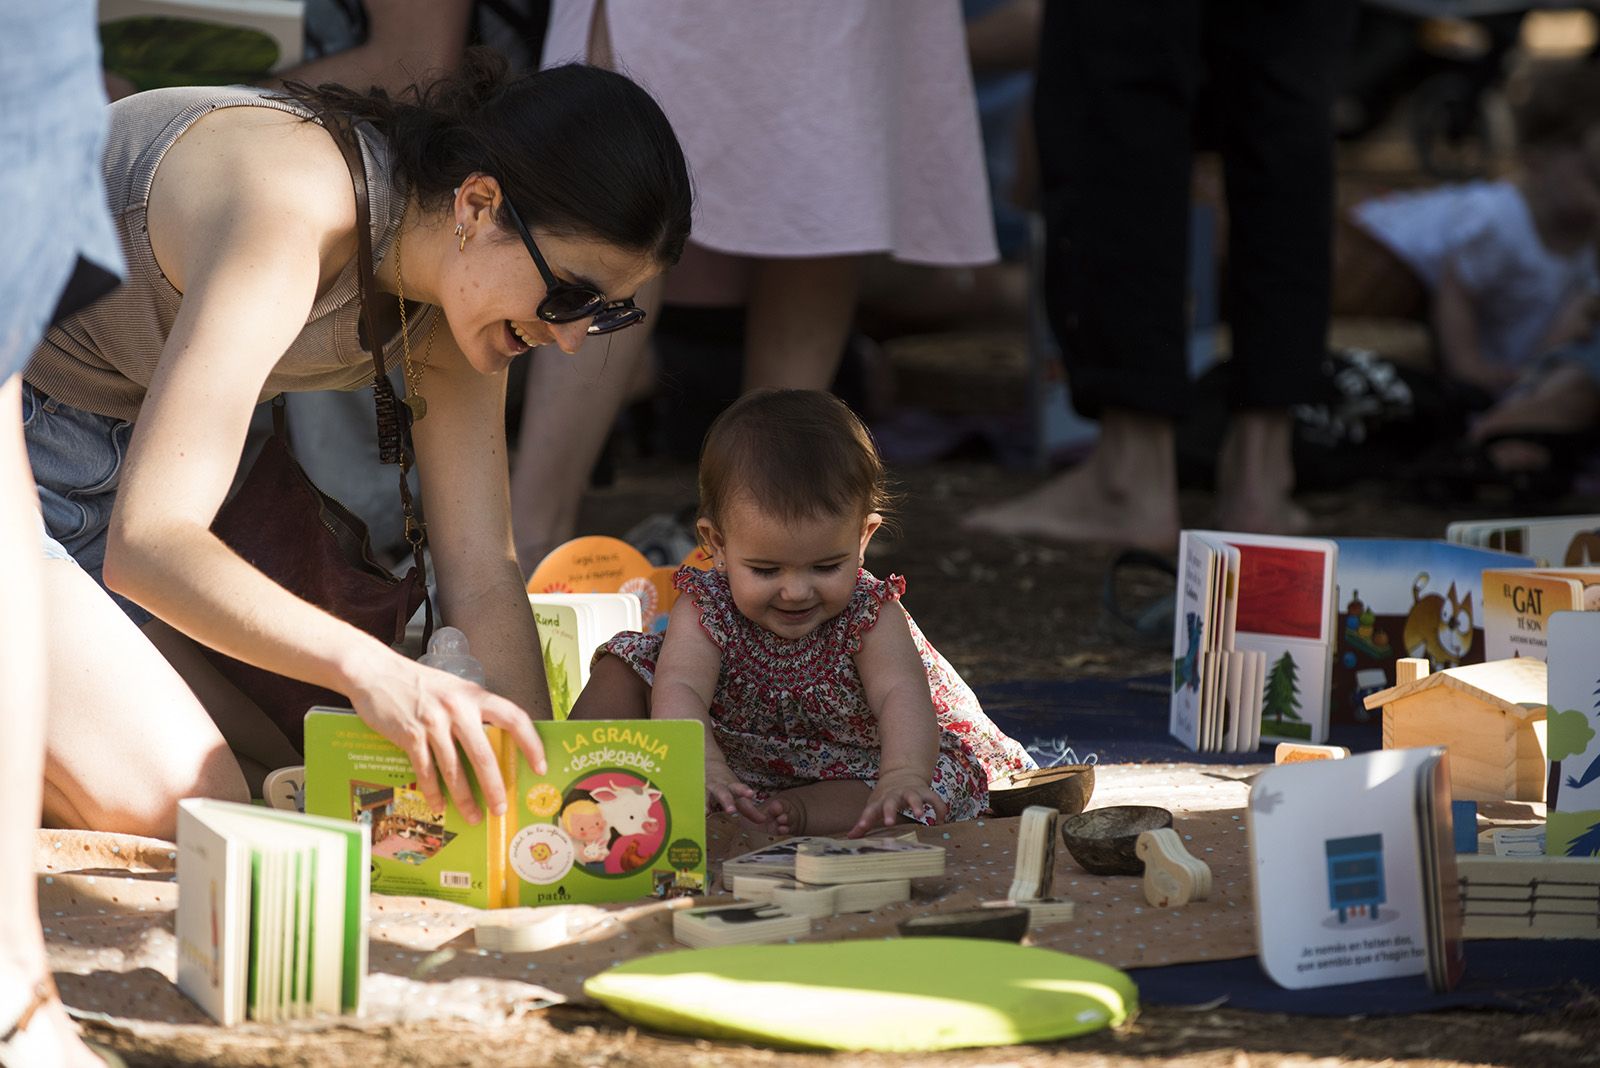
(309, 543)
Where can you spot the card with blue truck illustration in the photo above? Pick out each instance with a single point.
(618, 815)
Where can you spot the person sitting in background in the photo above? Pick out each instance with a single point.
(1503, 270)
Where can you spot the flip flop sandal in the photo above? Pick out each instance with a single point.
(1155, 578)
(15, 1051)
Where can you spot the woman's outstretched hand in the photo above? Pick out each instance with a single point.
(895, 793)
(427, 713)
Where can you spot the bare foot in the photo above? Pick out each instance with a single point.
(47, 1036)
(1255, 476)
(1124, 493)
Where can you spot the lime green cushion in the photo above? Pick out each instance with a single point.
(896, 994)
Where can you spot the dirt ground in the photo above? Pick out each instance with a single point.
(1000, 610)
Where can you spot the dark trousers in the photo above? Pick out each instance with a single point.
(1115, 109)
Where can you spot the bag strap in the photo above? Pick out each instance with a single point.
(394, 428)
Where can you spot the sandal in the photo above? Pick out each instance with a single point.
(17, 1052)
(1151, 625)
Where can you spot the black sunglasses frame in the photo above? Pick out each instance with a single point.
(608, 315)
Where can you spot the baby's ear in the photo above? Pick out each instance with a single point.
(869, 527)
(710, 537)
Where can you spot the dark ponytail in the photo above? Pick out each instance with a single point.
(582, 151)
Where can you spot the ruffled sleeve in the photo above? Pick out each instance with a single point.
(861, 615)
(709, 590)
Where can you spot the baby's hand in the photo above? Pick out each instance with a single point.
(724, 789)
(897, 791)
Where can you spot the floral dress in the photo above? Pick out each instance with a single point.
(790, 712)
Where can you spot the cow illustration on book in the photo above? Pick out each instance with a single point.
(626, 828)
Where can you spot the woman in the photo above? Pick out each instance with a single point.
(238, 222)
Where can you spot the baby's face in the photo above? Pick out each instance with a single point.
(790, 576)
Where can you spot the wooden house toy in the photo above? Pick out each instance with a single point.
(1491, 718)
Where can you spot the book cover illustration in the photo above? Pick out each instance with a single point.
(565, 666)
(1339, 858)
(1573, 818)
(1405, 597)
(619, 814)
(1191, 639)
(1518, 604)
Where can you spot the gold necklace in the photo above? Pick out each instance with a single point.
(413, 373)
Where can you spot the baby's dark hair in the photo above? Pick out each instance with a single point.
(1555, 104)
(795, 453)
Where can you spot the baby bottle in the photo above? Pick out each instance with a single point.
(447, 651)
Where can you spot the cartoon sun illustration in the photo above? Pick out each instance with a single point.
(544, 800)
(541, 852)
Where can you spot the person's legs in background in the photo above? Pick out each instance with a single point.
(1275, 69)
(1113, 117)
(569, 406)
(797, 319)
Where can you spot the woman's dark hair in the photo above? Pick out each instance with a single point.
(796, 454)
(582, 151)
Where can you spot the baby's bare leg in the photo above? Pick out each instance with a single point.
(614, 691)
(823, 808)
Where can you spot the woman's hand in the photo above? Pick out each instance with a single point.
(896, 792)
(724, 789)
(427, 712)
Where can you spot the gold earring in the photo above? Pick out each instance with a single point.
(461, 232)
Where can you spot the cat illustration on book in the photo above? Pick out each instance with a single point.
(1439, 626)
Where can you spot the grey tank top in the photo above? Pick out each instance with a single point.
(102, 359)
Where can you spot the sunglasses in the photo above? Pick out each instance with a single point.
(567, 302)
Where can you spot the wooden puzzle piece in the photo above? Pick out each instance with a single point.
(1171, 876)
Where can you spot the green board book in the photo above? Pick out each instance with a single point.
(619, 815)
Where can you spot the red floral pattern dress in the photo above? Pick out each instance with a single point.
(788, 712)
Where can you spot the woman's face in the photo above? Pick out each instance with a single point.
(490, 290)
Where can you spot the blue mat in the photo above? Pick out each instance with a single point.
(1506, 974)
(1121, 721)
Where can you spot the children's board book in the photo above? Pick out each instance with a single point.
(619, 815)
(272, 912)
(1252, 639)
(599, 564)
(1572, 826)
(156, 43)
(1552, 540)
(1406, 597)
(742, 924)
(571, 627)
(1353, 870)
(1518, 604)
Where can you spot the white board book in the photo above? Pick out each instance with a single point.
(271, 921)
(1352, 869)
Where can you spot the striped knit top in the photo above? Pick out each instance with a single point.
(102, 359)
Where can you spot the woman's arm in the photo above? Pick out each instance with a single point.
(461, 459)
(249, 215)
(685, 683)
(896, 686)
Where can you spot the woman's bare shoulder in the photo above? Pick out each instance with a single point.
(256, 174)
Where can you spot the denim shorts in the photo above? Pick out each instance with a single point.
(77, 464)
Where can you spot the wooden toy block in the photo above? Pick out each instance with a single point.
(802, 900)
(1042, 912)
(1529, 897)
(1036, 854)
(737, 925)
(1171, 876)
(1491, 717)
(530, 930)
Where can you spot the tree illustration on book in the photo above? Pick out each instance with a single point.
(555, 671)
(1282, 698)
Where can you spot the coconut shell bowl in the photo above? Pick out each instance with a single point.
(1001, 925)
(1065, 788)
(1103, 840)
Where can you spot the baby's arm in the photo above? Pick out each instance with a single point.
(1455, 319)
(685, 683)
(896, 686)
